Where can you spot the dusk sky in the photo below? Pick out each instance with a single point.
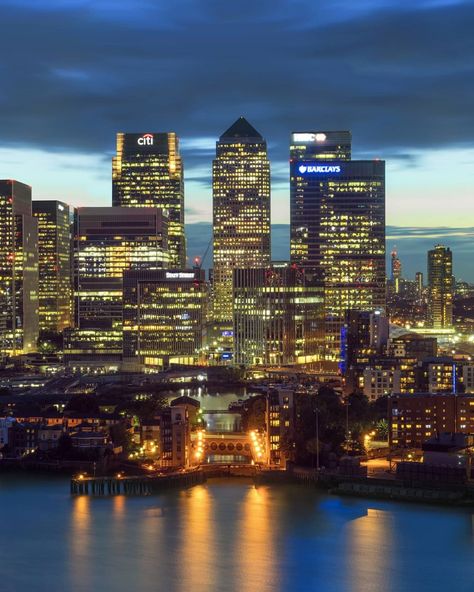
(399, 75)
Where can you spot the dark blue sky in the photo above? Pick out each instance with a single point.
(400, 75)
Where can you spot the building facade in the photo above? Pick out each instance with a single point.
(337, 211)
(416, 418)
(278, 316)
(19, 328)
(147, 171)
(54, 253)
(241, 210)
(107, 242)
(164, 313)
(440, 287)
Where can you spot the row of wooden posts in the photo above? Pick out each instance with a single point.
(122, 485)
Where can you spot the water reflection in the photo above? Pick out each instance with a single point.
(255, 553)
(370, 552)
(79, 542)
(197, 553)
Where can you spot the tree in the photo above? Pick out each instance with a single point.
(120, 436)
(382, 429)
(65, 448)
(145, 408)
(253, 414)
(86, 404)
(50, 342)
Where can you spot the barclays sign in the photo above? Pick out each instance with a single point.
(319, 168)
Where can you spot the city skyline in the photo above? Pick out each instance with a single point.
(63, 143)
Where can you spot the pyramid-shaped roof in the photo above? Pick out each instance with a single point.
(241, 129)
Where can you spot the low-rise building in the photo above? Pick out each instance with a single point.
(49, 436)
(416, 418)
(176, 423)
(150, 437)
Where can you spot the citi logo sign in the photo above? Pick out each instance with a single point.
(319, 168)
(145, 140)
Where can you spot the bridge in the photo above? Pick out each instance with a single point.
(248, 445)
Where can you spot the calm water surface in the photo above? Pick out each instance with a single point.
(227, 536)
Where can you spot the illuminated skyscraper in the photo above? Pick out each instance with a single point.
(54, 253)
(147, 171)
(396, 270)
(338, 226)
(164, 313)
(440, 287)
(241, 210)
(18, 270)
(107, 242)
(278, 317)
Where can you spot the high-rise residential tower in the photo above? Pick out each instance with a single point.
(18, 270)
(107, 242)
(337, 208)
(440, 287)
(54, 254)
(147, 171)
(241, 210)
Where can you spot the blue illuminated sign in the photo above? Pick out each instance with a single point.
(319, 168)
(227, 333)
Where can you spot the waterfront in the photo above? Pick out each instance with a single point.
(227, 536)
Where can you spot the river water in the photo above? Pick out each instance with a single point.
(227, 536)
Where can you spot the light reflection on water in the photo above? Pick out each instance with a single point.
(370, 552)
(228, 536)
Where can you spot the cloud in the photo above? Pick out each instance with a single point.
(399, 78)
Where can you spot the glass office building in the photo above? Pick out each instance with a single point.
(107, 242)
(54, 253)
(19, 328)
(164, 313)
(338, 227)
(241, 210)
(147, 171)
(278, 316)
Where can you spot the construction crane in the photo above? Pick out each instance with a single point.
(198, 261)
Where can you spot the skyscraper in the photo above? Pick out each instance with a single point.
(164, 312)
(107, 242)
(147, 171)
(337, 210)
(278, 318)
(396, 271)
(241, 210)
(54, 253)
(440, 287)
(18, 270)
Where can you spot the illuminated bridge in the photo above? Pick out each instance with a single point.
(225, 447)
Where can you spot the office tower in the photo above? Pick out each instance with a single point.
(278, 316)
(164, 312)
(396, 271)
(54, 255)
(18, 270)
(440, 287)
(241, 210)
(147, 171)
(337, 211)
(107, 242)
